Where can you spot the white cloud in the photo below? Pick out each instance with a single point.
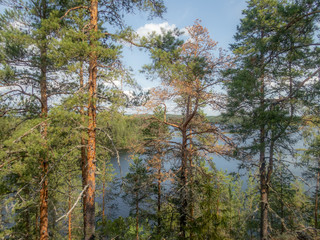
(153, 27)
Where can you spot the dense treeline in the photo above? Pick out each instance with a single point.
(62, 120)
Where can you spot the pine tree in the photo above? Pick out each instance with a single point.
(189, 72)
(267, 83)
(110, 13)
(27, 71)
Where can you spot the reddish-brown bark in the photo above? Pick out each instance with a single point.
(83, 152)
(91, 152)
(44, 154)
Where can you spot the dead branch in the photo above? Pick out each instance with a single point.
(29, 131)
(72, 9)
(74, 205)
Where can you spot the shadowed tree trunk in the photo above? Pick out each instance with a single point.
(69, 217)
(159, 197)
(104, 191)
(183, 179)
(263, 189)
(83, 151)
(137, 215)
(44, 131)
(316, 197)
(191, 200)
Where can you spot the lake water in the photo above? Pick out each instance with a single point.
(221, 163)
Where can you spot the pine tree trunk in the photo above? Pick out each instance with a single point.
(262, 159)
(103, 192)
(282, 204)
(159, 197)
(91, 153)
(263, 189)
(44, 129)
(137, 216)
(69, 217)
(264, 211)
(183, 193)
(83, 152)
(191, 200)
(265, 182)
(316, 198)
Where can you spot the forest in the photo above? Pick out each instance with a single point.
(65, 127)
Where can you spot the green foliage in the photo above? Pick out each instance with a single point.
(137, 185)
(224, 208)
(124, 228)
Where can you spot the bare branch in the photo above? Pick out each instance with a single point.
(74, 205)
(72, 9)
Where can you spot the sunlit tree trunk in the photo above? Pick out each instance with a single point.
(91, 153)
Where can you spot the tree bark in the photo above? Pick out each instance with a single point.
(282, 202)
(265, 182)
(159, 197)
(91, 153)
(263, 189)
(103, 191)
(69, 217)
(83, 152)
(262, 158)
(137, 216)
(191, 200)
(44, 166)
(44, 131)
(316, 197)
(183, 179)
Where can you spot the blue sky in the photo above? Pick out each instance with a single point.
(220, 17)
